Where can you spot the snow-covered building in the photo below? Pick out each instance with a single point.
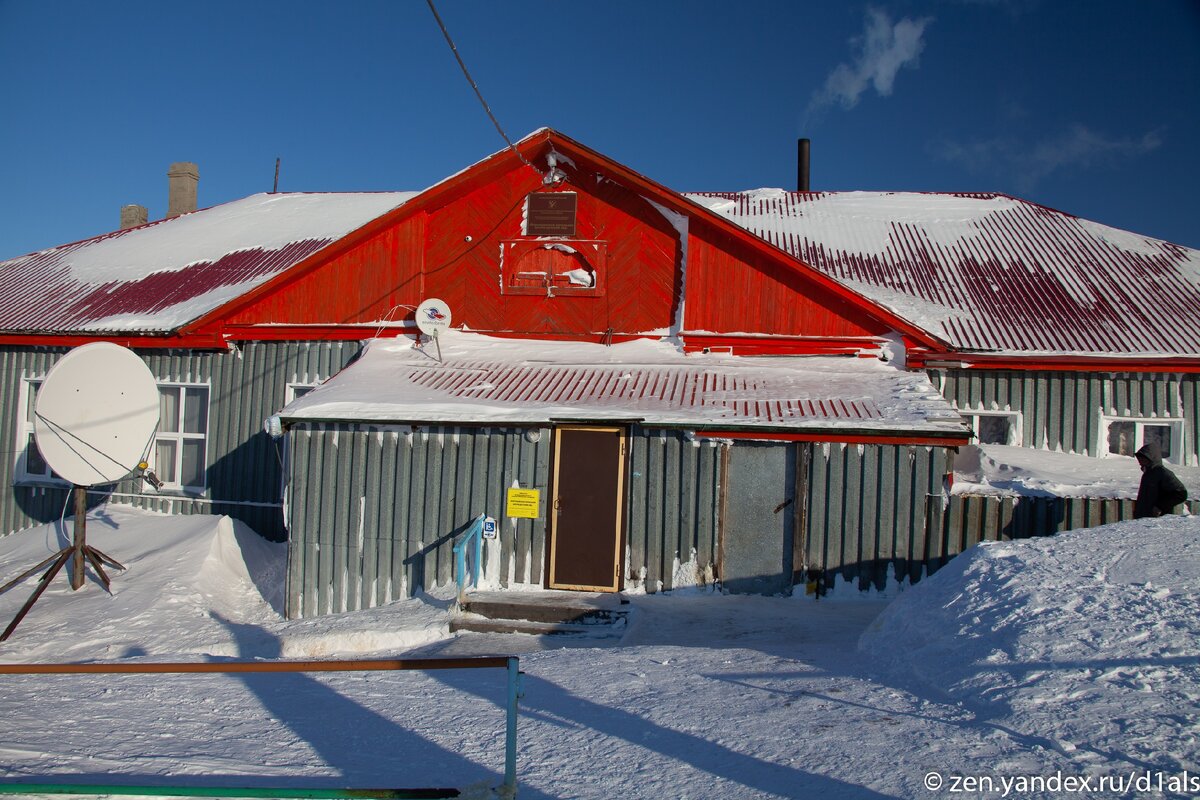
(683, 389)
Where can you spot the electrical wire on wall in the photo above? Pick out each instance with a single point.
(478, 93)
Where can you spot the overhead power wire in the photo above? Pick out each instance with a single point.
(475, 86)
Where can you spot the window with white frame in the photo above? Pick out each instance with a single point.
(995, 427)
(298, 390)
(30, 464)
(1124, 436)
(181, 445)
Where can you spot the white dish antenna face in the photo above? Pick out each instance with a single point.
(96, 414)
(433, 317)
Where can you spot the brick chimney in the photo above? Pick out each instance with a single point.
(134, 215)
(182, 178)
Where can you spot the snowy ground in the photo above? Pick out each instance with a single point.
(1076, 657)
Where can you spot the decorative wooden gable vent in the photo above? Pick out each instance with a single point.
(555, 264)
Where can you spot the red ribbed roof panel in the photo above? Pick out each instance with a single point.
(987, 272)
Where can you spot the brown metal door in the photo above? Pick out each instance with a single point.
(588, 505)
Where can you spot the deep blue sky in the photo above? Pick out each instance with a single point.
(1089, 107)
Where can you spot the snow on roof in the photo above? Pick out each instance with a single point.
(987, 272)
(160, 276)
(510, 381)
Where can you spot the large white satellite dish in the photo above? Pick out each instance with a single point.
(96, 414)
(94, 422)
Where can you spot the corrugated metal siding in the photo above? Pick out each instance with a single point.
(243, 470)
(866, 512)
(965, 520)
(674, 488)
(373, 511)
(1062, 410)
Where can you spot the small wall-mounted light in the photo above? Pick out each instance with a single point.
(533, 435)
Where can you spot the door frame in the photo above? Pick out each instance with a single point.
(620, 500)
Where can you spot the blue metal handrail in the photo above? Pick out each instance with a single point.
(474, 532)
(506, 791)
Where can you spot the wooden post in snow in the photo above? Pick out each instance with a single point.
(77, 550)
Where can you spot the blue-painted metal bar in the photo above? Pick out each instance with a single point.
(508, 789)
(473, 535)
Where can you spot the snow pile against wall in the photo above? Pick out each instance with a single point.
(1006, 470)
(196, 584)
(1106, 621)
(987, 272)
(487, 380)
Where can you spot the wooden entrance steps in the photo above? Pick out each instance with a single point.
(548, 613)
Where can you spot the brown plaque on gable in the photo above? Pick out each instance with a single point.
(550, 214)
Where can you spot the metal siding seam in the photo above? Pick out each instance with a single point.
(635, 541)
(495, 496)
(403, 531)
(296, 506)
(706, 493)
(523, 454)
(654, 503)
(538, 534)
(934, 537)
(466, 501)
(889, 463)
(1054, 412)
(849, 486)
(688, 533)
(418, 492)
(1190, 390)
(910, 536)
(868, 542)
(369, 536)
(347, 559)
(818, 518)
(327, 534)
(384, 474)
(508, 531)
(426, 488)
(447, 502)
(311, 575)
(677, 540)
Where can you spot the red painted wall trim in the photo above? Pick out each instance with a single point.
(979, 361)
(191, 341)
(781, 345)
(849, 438)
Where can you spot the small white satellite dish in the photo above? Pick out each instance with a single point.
(96, 414)
(433, 317)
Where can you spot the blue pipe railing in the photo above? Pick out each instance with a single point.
(474, 534)
(506, 791)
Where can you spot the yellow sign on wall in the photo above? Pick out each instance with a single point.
(523, 503)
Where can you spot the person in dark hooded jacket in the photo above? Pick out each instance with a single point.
(1160, 491)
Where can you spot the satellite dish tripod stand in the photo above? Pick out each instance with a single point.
(78, 550)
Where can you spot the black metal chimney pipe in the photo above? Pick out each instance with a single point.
(802, 165)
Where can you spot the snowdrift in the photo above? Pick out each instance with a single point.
(1091, 636)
